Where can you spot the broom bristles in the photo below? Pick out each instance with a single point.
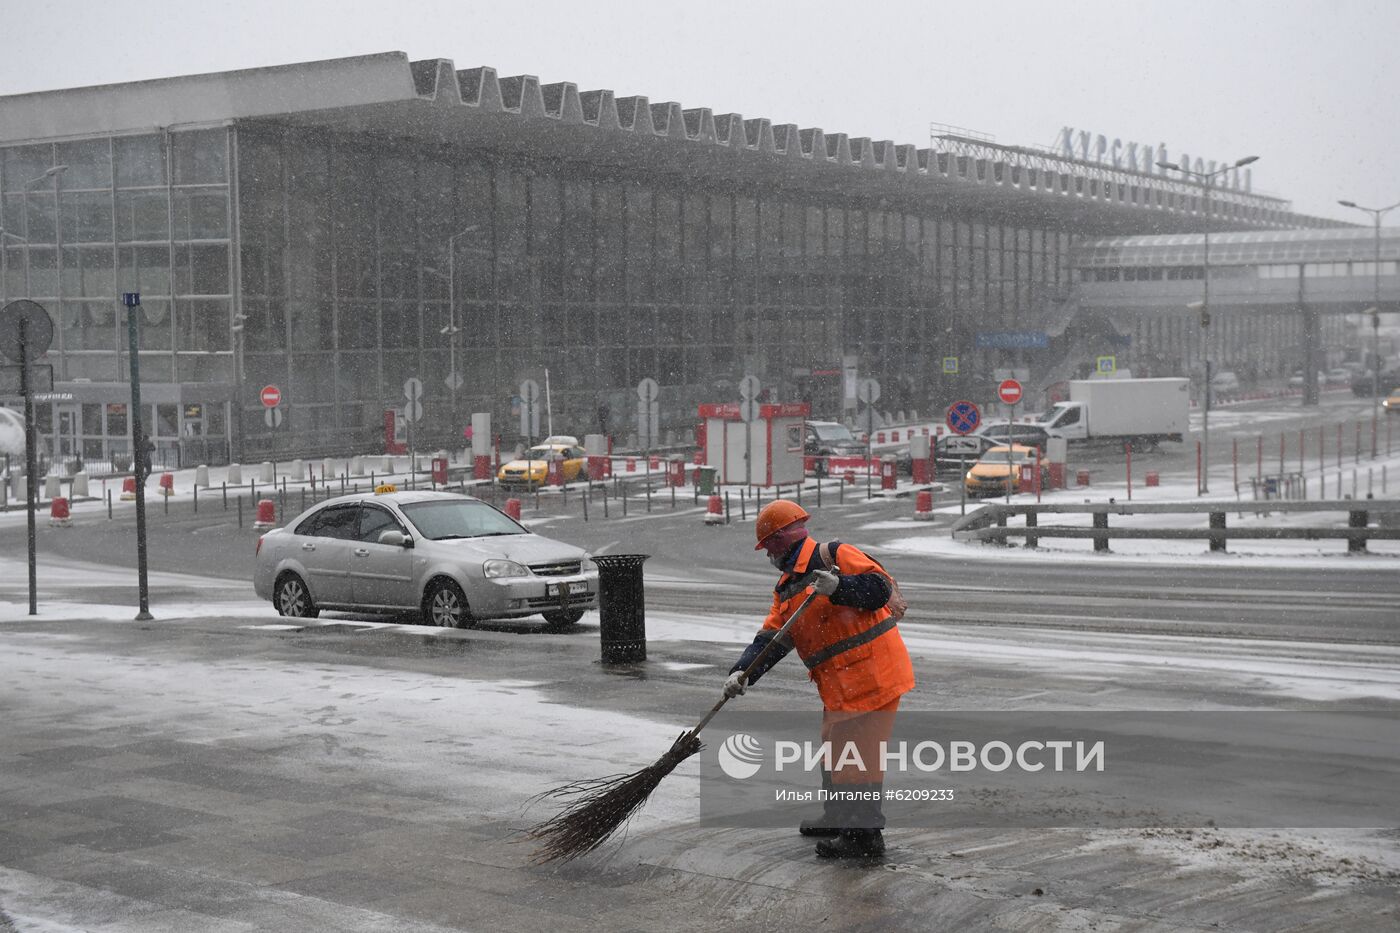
(599, 807)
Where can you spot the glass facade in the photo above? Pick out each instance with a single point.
(88, 220)
(357, 259)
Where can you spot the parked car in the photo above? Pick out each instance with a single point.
(531, 469)
(1339, 376)
(1029, 435)
(830, 439)
(450, 558)
(999, 468)
(1299, 378)
(1224, 382)
(1392, 402)
(1364, 386)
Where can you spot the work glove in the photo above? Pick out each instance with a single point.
(734, 685)
(825, 582)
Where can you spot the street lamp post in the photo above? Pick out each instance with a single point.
(452, 330)
(1375, 312)
(236, 415)
(1207, 181)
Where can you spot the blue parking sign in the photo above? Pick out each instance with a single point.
(963, 417)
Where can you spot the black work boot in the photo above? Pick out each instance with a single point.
(826, 824)
(854, 844)
(861, 821)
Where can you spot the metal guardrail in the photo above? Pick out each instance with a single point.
(989, 523)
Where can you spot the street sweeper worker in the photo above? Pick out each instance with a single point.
(853, 651)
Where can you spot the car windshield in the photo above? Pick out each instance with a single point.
(465, 518)
(999, 455)
(834, 432)
(538, 453)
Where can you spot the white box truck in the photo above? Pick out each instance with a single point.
(1141, 411)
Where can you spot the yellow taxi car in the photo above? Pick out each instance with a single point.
(1392, 402)
(531, 469)
(999, 467)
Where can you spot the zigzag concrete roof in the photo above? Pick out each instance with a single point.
(386, 96)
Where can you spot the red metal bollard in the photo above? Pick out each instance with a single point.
(850, 477)
(714, 511)
(923, 472)
(167, 484)
(887, 473)
(267, 514)
(1152, 479)
(1057, 475)
(58, 512)
(1081, 478)
(923, 505)
(512, 509)
(481, 466)
(554, 472)
(128, 488)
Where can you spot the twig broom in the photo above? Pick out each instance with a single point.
(597, 808)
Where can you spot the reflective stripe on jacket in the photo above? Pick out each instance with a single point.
(855, 656)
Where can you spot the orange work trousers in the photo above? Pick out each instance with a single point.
(864, 731)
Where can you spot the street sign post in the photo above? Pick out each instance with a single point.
(26, 330)
(1010, 393)
(413, 388)
(868, 391)
(749, 388)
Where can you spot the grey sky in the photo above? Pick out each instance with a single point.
(1309, 87)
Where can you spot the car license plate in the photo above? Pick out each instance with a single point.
(562, 590)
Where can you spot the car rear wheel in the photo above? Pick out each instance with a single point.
(446, 605)
(293, 599)
(562, 618)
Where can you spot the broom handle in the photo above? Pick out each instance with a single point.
(756, 661)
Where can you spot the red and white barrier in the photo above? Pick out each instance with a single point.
(267, 513)
(59, 515)
(923, 506)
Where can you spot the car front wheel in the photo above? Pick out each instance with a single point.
(562, 618)
(293, 599)
(446, 605)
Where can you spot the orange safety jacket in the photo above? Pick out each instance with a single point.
(855, 656)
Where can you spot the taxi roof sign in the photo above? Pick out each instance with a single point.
(385, 488)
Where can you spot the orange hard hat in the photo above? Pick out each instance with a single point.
(776, 516)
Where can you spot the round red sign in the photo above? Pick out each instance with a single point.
(1009, 391)
(271, 396)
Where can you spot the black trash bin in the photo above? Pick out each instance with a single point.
(621, 607)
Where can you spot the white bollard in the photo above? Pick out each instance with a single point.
(80, 484)
(235, 475)
(299, 470)
(52, 487)
(328, 471)
(357, 466)
(269, 474)
(201, 476)
(20, 482)
(389, 465)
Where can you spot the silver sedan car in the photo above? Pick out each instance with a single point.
(452, 558)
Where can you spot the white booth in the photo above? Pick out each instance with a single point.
(766, 451)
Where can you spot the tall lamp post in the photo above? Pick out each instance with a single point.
(1207, 182)
(1375, 312)
(452, 330)
(236, 415)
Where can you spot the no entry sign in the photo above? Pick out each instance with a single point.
(1009, 391)
(271, 396)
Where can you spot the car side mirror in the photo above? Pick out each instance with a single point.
(395, 538)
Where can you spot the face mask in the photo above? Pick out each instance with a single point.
(776, 561)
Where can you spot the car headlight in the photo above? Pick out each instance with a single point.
(504, 568)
